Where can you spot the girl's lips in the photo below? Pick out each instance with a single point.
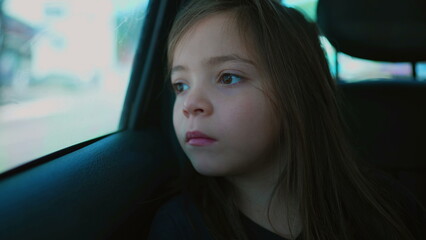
(197, 138)
(200, 141)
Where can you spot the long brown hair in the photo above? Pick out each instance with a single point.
(337, 198)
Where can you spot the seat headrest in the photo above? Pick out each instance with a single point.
(380, 30)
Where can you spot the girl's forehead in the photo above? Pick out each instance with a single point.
(216, 34)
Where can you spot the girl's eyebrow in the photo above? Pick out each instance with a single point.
(216, 61)
(178, 68)
(226, 58)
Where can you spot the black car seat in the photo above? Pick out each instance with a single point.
(387, 118)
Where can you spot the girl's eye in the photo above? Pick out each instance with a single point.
(229, 79)
(180, 87)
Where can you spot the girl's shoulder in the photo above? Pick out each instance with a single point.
(174, 206)
(178, 218)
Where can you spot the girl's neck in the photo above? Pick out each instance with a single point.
(254, 205)
(253, 189)
(253, 195)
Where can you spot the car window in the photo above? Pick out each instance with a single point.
(355, 69)
(64, 70)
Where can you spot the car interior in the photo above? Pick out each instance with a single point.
(385, 116)
(102, 188)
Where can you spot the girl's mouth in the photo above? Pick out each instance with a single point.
(197, 138)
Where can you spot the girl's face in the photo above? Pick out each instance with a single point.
(219, 94)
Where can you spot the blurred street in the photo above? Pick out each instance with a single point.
(44, 125)
(64, 70)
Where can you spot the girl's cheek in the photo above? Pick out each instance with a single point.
(177, 111)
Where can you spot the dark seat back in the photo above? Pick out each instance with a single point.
(387, 118)
(380, 30)
(387, 121)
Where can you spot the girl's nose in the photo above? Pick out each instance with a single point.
(197, 103)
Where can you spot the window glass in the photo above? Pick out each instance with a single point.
(64, 70)
(421, 71)
(308, 7)
(356, 69)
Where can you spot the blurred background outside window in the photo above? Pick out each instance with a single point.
(355, 69)
(64, 71)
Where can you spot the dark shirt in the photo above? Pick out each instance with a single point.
(172, 222)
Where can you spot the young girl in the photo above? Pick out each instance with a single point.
(257, 116)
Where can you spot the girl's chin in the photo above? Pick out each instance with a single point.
(209, 170)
